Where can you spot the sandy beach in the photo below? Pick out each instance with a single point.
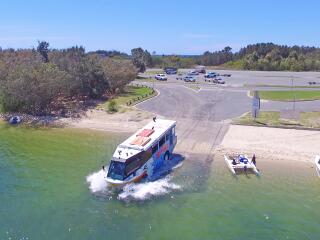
(266, 143)
(128, 121)
(272, 143)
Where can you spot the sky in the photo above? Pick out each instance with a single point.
(166, 26)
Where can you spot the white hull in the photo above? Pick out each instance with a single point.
(240, 166)
(316, 161)
(118, 183)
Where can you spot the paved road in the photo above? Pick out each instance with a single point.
(203, 116)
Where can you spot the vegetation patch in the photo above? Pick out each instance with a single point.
(154, 72)
(112, 106)
(280, 86)
(296, 95)
(237, 65)
(58, 82)
(145, 79)
(129, 96)
(272, 119)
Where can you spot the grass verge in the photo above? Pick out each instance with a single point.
(135, 94)
(272, 119)
(279, 86)
(297, 95)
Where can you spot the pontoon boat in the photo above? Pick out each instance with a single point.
(240, 163)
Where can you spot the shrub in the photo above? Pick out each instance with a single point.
(112, 107)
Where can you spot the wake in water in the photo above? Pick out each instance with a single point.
(148, 190)
(97, 182)
(135, 191)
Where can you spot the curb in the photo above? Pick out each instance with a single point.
(132, 102)
(281, 127)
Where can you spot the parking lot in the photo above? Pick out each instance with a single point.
(250, 78)
(204, 112)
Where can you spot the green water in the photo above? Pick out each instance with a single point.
(44, 195)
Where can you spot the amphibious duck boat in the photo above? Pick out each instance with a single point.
(143, 153)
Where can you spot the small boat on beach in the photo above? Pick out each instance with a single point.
(15, 120)
(317, 162)
(241, 163)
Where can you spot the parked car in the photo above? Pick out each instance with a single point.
(312, 83)
(219, 81)
(226, 75)
(193, 73)
(179, 77)
(161, 77)
(171, 70)
(189, 78)
(210, 75)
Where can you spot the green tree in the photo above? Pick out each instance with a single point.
(138, 59)
(43, 49)
(147, 58)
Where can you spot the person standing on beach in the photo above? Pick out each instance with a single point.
(253, 160)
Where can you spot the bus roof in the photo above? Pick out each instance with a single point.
(143, 139)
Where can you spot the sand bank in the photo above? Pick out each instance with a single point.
(272, 143)
(128, 121)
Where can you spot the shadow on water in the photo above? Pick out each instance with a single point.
(194, 175)
(175, 162)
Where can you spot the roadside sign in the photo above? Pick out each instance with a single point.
(255, 104)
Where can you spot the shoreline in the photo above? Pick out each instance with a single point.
(275, 144)
(126, 122)
(272, 144)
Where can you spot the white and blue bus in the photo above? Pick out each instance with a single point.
(142, 154)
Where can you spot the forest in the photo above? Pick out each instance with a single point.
(260, 56)
(43, 81)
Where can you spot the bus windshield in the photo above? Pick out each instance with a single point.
(116, 170)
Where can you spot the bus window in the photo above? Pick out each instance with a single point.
(167, 136)
(137, 161)
(145, 156)
(162, 141)
(116, 170)
(155, 148)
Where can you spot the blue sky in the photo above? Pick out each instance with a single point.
(169, 27)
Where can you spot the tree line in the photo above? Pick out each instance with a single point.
(272, 57)
(42, 81)
(260, 56)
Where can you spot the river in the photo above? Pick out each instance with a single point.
(51, 188)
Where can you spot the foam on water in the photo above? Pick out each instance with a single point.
(97, 182)
(134, 191)
(147, 190)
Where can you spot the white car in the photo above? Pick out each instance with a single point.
(161, 77)
(193, 73)
(189, 78)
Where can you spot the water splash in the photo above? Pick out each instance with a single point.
(160, 184)
(147, 190)
(97, 182)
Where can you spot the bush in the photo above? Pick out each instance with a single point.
(31, 84)
(112, 107)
